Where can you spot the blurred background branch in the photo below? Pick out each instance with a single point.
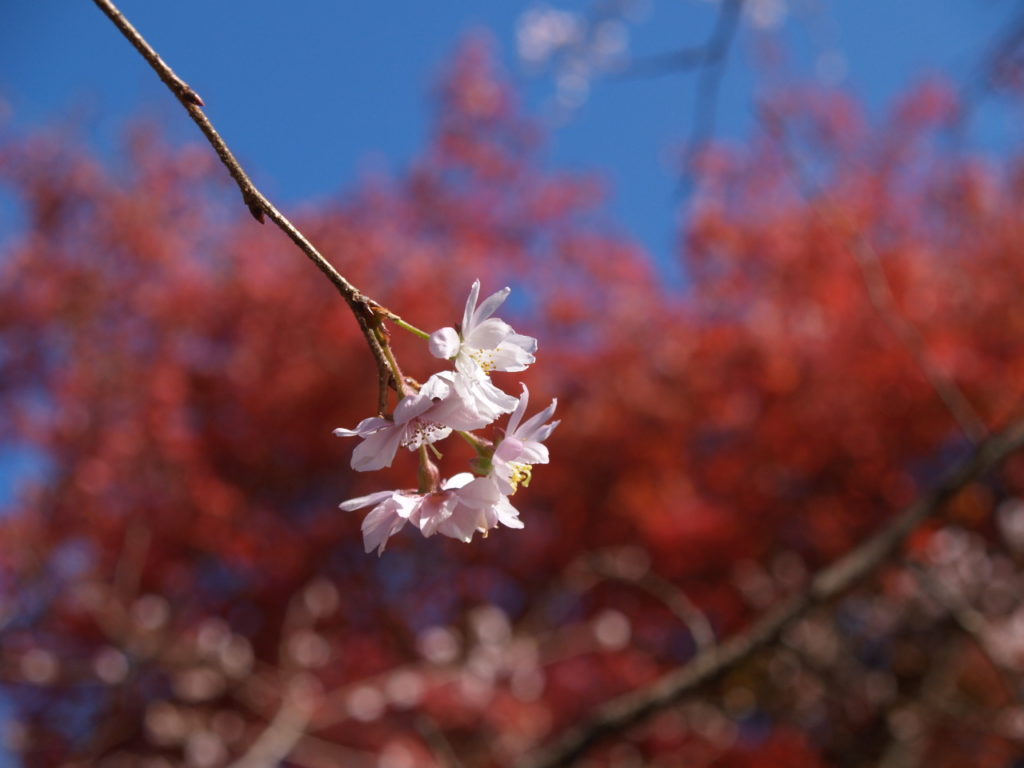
(830, 583)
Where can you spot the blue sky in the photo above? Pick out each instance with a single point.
(312, 94)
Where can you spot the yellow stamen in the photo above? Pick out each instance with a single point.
(521, 475)
(484, 358)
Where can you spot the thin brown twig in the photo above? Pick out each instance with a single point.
(709, 59)
(712, 69)
(881, 296)
(364, 308)
(662, 590)
(285, 730)
(710, 665)
(437, 741)
(704, 54)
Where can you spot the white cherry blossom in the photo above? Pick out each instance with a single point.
(390, 513)
(434, 509)
(476, 388)
(523, 446)
(463, 399)
(462, 506)
(485, 343)
(425, 417)
(482, 506)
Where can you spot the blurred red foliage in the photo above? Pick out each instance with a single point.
(178, 579)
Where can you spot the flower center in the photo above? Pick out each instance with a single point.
(484, 358)
(521, 475)
(423, 433)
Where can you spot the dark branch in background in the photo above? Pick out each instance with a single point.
(881, 296)
(706, 54)
(709, 58)
(666, 63)
(710, 78)
(712, 664)
(367, 312)
(287, 728)
(668, 594)
(1003, 62)
(444, 754)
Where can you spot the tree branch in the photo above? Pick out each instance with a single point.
(710, 665)
(285, 730)
(882, 298)
(705, 54)
(712, 69)
(709, 59)
(364, 308)
(662, 590)
(665, 63)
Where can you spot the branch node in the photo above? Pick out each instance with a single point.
(189, 94)
(254, 204)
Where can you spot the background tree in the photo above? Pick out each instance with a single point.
(181, 589)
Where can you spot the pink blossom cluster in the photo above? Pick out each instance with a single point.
(463, 399)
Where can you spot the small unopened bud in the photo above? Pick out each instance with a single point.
(429, 475)
(192, 97)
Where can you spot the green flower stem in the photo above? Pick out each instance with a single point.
(472, 439)
(407, 326)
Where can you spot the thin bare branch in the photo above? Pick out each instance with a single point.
(709, 666)
(881, 296)
(709, 59)
(364, 308)
(285, 730)
(705, 54)
(662, 590)
(1001, 64)
(710, 78)
(443, 751)
(666, 63)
